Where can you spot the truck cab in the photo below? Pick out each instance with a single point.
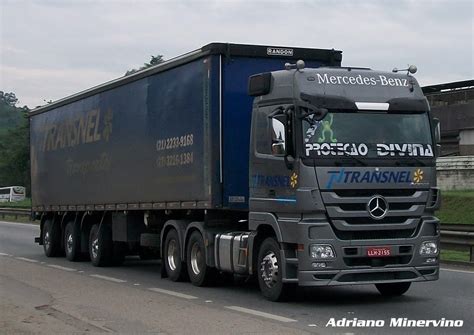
(342, 166)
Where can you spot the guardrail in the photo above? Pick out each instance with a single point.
(453, 236)
(458, 237)
(15, 212)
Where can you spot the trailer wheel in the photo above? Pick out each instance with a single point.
(72, 240)
(100, 245)
(199, 273)
(393, 289)
(270, 272)
(172, 257)
(51, 239)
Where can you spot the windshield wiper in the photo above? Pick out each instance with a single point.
(361, 162)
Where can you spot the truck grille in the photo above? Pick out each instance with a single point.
(374, 234)
(376, 262)
(348, 214)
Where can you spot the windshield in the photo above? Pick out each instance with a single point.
(368, 134)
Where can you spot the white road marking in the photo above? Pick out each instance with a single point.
(312, 325)
(59, 267)
(462, 271)
(262, 314)
(208, 301)
(27, 259)
(3, 254)
(21, 224)
(115, 280)
(173, 293)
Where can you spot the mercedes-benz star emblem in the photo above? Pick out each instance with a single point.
(377, 207)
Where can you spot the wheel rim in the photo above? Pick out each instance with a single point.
(95, 247)
(172, 254)
(69, 243)
(269, 269)
(196, 258)
(46, 240)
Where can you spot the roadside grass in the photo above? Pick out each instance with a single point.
(457, 207)
(454, 255)
(18, 204)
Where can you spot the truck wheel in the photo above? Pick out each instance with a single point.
(172, 257)
(270, 272)
(393, 289)
(51, 239)
(199, 273)
(72, 240)
(100, 245)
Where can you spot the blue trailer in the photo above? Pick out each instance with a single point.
(173, 136)
(251, 160)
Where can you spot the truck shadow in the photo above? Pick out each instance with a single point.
(324, 296)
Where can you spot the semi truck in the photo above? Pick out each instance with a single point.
(274, 163)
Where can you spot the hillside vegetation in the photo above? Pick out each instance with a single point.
(14, 143)
(10, 118)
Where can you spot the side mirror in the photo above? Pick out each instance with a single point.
(437, 130)
(278, 135)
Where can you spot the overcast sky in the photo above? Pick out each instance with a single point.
(54, 48)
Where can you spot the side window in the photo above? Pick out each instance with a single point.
(263, 139)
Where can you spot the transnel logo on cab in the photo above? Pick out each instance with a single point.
(344, 176)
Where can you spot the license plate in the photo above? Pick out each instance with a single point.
(378, 251)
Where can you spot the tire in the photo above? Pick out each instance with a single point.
(199, 273)
(100, 245)
(269, 272)
(72, 241)
(393, 289)
(51, 239)
(174, 266)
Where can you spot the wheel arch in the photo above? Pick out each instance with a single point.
(262, 225)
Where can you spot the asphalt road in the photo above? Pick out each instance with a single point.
(52, 295)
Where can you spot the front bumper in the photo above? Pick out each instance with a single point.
(367, 276)
(352, 266)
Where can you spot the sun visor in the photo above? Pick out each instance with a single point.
(340, 88)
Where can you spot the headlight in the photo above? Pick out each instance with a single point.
(322, 251)
(429, 248)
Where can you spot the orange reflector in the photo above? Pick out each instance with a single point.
(300, 247)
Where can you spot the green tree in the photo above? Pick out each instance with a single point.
(155, 60)
(14, 143)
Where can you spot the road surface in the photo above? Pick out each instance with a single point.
(53, 295)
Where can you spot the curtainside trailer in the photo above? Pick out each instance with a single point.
(274, 162)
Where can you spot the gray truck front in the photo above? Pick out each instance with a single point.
(346, 176)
